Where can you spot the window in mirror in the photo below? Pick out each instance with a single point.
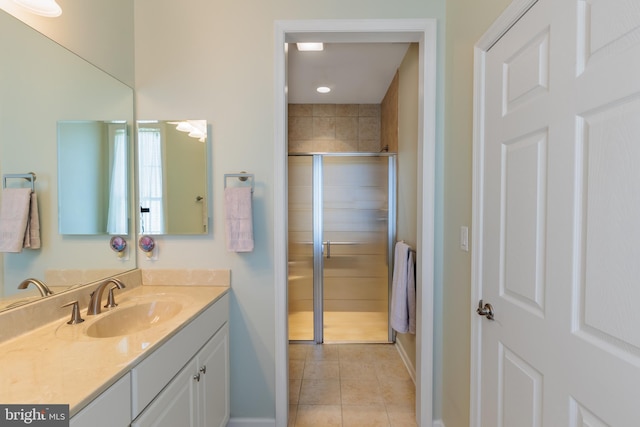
(172, 177)
(92, 177)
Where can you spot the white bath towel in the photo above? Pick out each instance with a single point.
(14, 216)
(399, 294)
(238, 219)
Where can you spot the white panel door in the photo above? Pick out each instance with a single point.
(559, 206)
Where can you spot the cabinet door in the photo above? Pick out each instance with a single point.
(213, 393)
(175, 405)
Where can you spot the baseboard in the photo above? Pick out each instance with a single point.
(407, 362)
(438, 423)
(251, 422)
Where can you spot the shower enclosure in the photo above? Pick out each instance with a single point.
(341, 232)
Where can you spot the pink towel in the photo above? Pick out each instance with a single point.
(14, 217)
(238, 219)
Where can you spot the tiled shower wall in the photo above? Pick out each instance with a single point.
(334, 128)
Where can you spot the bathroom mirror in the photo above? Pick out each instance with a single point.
(93, 177)
(172, 177)
(42, 84)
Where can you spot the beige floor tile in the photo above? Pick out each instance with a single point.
(293, 411)
(296, 369)
(320, 392)
(321, 370)
(319, 416)
(359, 352)
(357, 370)
(402, 415)
(298, 351)
(360, 392)
(398, 392)
(294, 391)
(392, 370)
(349, 385)
(322, 352)
(364, 416)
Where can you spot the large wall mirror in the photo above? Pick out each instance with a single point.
(41, 85)
(93, 193)
(172, 177)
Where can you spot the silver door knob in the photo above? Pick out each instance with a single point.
(485, 310)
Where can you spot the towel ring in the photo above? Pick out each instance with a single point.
(242, 176)
(31, 177)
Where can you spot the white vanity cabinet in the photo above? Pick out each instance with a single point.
(186, 381)
(198, 396)
(111, 409)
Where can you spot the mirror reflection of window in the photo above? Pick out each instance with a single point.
(150, 184)
(172, 177)
(117, 219)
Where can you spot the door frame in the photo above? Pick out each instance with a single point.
(424, 32)
(503, 23)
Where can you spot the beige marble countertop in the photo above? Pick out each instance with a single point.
(58, 364)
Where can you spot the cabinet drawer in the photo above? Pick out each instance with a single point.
(157, 370)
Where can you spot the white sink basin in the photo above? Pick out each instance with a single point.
(132, 319)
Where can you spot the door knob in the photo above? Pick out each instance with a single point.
(485, 310)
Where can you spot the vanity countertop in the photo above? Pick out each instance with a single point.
(58, 364)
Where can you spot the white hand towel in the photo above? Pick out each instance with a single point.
(238, 219)
(399, 306)
(14, 215)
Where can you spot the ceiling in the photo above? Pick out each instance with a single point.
(357, 73)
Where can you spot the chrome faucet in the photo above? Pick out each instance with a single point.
(96, 296)
(44, 289)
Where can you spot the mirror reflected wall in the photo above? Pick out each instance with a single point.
(41, 84)
(172, 177)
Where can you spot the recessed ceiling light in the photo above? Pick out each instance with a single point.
(323, 89)
(307, 47)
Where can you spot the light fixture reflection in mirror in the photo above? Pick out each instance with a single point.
(48, 8)
(172, 177)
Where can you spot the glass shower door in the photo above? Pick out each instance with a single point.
(300, 241)
(339, 247)
(355, 239)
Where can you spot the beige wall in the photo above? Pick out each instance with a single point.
(407, 165)
(334, 128)
(466, 21)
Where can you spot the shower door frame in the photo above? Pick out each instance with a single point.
(318, 233)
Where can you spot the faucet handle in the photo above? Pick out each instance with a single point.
(75, 313)
(111, 301)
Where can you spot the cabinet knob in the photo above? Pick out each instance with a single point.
(204, 369)
(197, 377)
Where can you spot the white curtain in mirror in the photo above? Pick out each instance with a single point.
(150, 185)
(118, 217)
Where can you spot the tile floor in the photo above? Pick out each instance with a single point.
(349, 385)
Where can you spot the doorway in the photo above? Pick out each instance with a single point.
(424, 32)
(341, 231)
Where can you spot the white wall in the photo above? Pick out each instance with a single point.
(217, 63)
(99, 31)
